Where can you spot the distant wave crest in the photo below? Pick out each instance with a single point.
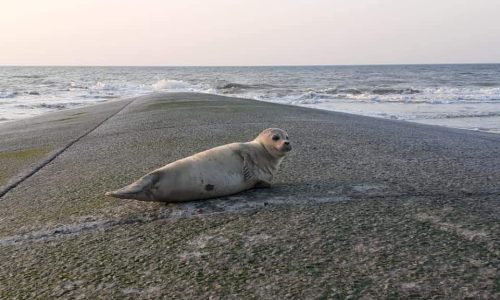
(234, 87)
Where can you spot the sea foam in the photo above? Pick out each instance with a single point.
(169, 85)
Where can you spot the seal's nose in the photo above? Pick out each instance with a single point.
(286, 146)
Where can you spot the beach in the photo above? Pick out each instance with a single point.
(361, 207)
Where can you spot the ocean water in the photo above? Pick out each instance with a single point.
(461, 96)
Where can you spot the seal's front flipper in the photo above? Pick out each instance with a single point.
(248, 168)
(262, 184)
(142, 189)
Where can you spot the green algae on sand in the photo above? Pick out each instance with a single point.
(12, 162)
(22, 154)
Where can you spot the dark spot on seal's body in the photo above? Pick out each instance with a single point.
(209, 187)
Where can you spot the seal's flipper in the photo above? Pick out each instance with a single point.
(139, 190)
(248, 166)
(262, 184)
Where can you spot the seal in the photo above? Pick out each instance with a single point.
(216, 172)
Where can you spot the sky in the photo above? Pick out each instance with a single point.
(248, 32)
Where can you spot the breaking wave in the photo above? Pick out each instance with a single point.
(172, 85)
(406, 95)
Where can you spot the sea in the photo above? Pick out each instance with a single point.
(461, 96)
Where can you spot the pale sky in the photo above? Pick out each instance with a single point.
(248, 32)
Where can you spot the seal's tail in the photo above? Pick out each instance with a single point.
(119, 194)
(139, 190)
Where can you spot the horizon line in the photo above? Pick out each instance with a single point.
(278, 65)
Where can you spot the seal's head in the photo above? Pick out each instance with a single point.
(275, 141)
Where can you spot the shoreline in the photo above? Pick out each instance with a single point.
(359, 203)
(441, 122)
(464, 93)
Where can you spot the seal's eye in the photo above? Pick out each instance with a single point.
(276, 137)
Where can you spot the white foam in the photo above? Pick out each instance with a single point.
(100, 86)
(473, 116)
(425, 95)
(169, 85)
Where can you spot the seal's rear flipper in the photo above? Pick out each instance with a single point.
(139, 190)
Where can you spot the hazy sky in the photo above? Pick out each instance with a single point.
(248, 32)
